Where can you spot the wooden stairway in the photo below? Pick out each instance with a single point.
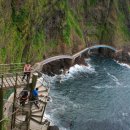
(37, 114)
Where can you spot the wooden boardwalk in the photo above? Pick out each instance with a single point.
(11, 75)
(19, 114)
(91, 48)
(60, 57)
(73, 57)
(37, 120)
(12, 80)
(36, 115)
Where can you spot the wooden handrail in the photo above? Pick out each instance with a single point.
(11, 68)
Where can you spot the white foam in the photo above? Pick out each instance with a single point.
(123, 64)
(78, 69)
(124, 114)
(97, 87)
(76, 106)
(114, 78)
(50, 118)
(62, 128)
(70, 74)
(54, 122)
(105, 86)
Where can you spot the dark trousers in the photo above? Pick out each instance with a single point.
(22, 102)
(35, 101)
(26, 74)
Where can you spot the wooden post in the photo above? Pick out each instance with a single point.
(28, 117)
(14, 102)
(43, 111)
(32, 86)
(1, 103)
(34, 80)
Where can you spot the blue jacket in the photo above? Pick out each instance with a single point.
(35, 93)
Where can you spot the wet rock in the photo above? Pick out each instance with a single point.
(123, 55)
(55, 67)
(80, 61)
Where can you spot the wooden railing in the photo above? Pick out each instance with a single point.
(11, 68)
(10, 80)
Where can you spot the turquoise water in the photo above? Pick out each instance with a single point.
(96, 97)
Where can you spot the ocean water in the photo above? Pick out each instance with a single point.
(93, 97)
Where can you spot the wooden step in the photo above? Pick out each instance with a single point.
(42, 96)
(36, 116)
(38, 112)
(43, 91)
(34, 106)
(21, 125)
(35, 111)
(42, 100)
(42, 88)
(36, 119)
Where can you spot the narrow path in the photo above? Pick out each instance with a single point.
(73, 57)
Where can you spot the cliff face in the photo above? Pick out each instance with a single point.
(33, 30)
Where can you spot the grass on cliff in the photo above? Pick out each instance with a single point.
(122, 27)
(92, 2)
(71, 24)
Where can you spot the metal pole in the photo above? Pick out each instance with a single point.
(1, 104)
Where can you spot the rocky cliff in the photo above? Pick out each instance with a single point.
(35, 29)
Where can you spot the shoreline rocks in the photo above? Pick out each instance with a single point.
(123, 55)
(62, 65)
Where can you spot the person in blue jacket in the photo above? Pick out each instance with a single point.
(35, 97)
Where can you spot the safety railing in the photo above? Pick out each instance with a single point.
(11, 68)
(9, 80)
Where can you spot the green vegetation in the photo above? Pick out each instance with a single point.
(122, 27)
(71, 24)
(92, 2)
(5, 123)
(30, 29)
(67, 32)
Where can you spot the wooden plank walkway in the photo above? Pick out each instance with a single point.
(56, 58)
(9, 81)
(91, 48)
(11, 75)
(73, 57)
